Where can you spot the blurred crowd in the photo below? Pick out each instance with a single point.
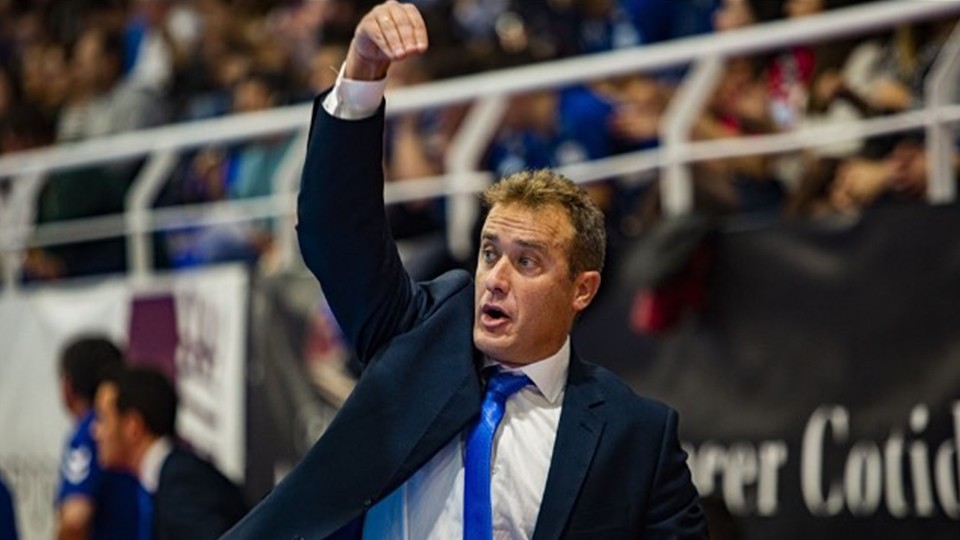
(76, 69)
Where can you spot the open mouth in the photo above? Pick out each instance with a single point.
(494, 313)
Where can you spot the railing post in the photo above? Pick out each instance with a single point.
(685, 107)
(462, 161)
(8, 277)
(17, 221)
(142, 193)
(940, 87)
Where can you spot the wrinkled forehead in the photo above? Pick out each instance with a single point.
(548, 216)
(548, 222)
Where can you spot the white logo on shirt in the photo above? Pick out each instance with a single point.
(76, 465)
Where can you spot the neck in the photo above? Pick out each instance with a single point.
(78, 409)
(138, 452)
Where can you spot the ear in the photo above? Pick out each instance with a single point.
(585, 287)
(66, 389)
(133, 426)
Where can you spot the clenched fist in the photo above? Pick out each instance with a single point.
(388, 33)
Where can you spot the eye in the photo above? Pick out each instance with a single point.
(487, 255)
(527, 262)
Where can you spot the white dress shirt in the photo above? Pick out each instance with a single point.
(354, 100)
(430, 504)
(152, 462)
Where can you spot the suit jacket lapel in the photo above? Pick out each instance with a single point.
(462, 407)
(581, 425)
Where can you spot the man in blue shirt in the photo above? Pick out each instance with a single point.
(8, 519)
(92, 503)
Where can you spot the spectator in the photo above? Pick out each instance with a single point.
(8, 518)
(324, 66)
(45, 77)
(605, 25)
(740, 106)
(24, 128)
(100, 102)
(415, 147)
(190, 498)
(92, 503)
(245, 171)
(155, 42)
(880, 76)
(8, 93)
(791, 72)
(549, 128)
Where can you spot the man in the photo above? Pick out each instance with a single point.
(552, 447)
(191, 500)
(92, 503)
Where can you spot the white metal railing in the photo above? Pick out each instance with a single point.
(162, 146)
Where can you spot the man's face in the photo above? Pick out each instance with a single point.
(108, 429)
(525, 298)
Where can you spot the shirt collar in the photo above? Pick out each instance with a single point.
(548, 375)
(149, 473)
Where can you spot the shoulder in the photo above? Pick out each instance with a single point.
(630, 406)
(182, 464)
(82, 434)
(449, 295)
(448, 285)
(185, 470)
(194, 496)
(186, 476)
(79, 462)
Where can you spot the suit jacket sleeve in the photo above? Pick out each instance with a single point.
(343, 231)
(674, 510)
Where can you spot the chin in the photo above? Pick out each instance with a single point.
(490, 347)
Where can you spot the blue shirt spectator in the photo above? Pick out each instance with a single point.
(8, 519)
(660, 20)
(579, 133)
(115, 494)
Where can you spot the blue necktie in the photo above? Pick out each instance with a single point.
(477, 504)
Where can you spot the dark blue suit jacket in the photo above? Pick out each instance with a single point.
(617, 470)
(194, 501)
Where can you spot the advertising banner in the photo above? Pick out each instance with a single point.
(817, 375)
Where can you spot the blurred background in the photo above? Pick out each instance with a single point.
(778, 178)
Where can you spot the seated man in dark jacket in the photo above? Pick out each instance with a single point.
(191, 499)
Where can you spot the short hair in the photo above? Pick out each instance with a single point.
(86, 361)
(149, 393)
(536, 189)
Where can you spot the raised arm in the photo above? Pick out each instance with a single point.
(343, 233)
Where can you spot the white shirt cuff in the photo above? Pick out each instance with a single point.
(354, 100)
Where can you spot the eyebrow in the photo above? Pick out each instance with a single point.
(528, 244)
(532, 244)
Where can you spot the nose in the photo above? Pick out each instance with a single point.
(497, 280)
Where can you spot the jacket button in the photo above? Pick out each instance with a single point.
(368, 503)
